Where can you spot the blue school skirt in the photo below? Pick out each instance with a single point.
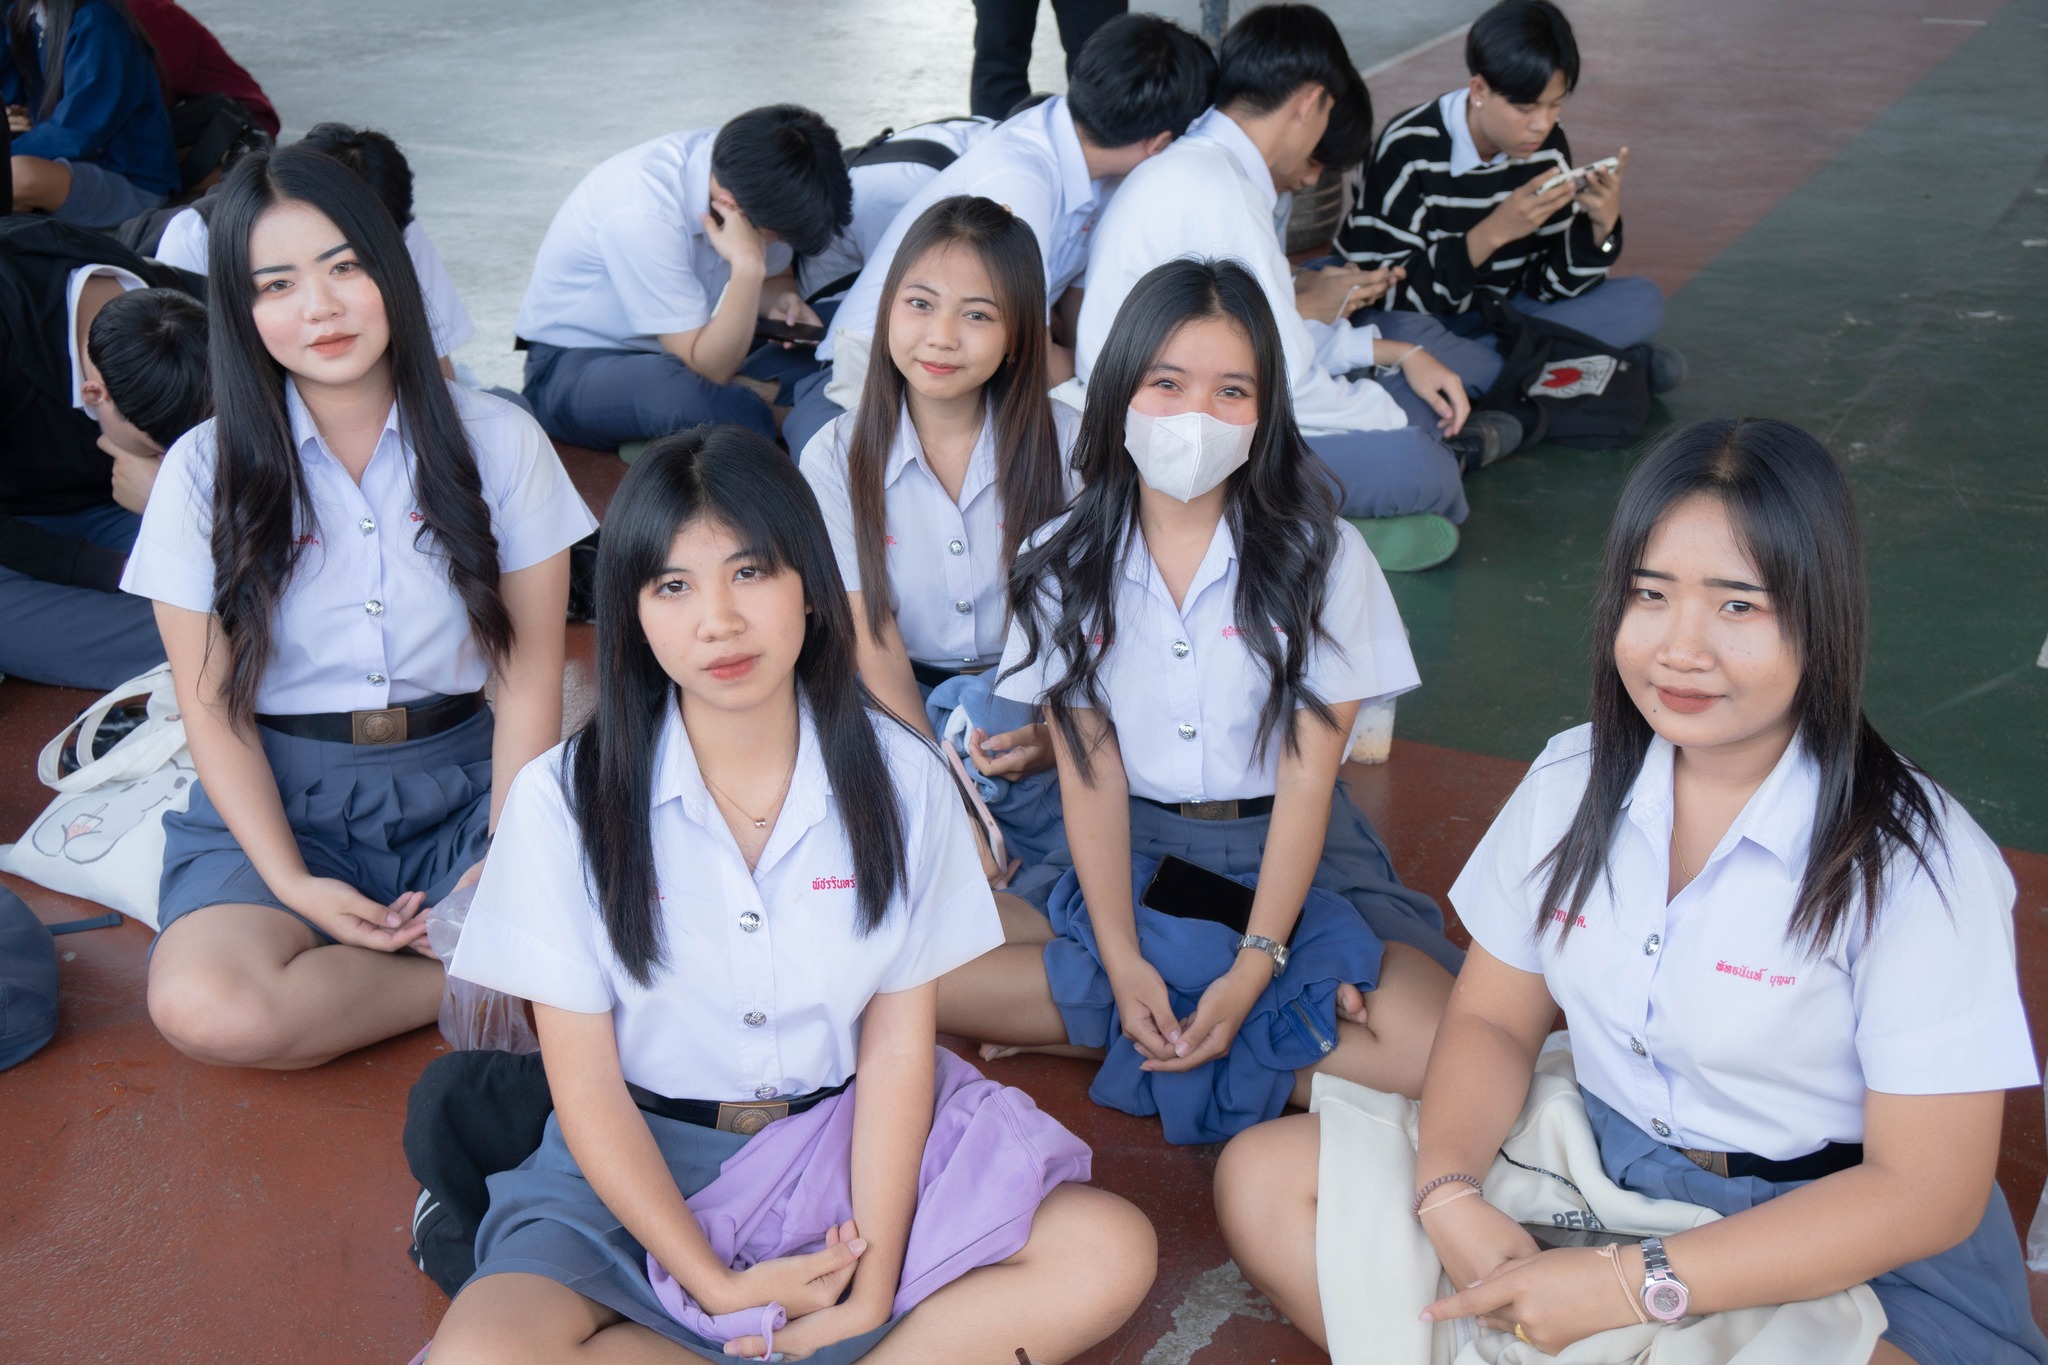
(1354, 866)
(1966, 1306)
(546, 1220)
(386, 819)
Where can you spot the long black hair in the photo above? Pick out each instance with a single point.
(1791, 512)
(261, 503)
(743, 483)
(1029, 478)
(57, 16)
(1281, 508)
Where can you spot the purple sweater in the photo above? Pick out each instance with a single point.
(991, 1158)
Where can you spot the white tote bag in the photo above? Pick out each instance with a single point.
(102, 839)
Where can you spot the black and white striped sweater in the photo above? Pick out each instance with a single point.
(1413, 212)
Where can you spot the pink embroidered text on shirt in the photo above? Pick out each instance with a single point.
(414, 516)
(1232, 632)
(307, 539)
(1736, 969)
(888, 539)
(1559, 916)
(831, 883)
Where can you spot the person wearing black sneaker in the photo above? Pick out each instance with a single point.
(1478, 193)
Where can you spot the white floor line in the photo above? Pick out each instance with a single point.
(1430, 46)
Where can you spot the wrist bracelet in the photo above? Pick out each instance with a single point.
(1451, 1198)
(1394, 364)
(1613, 1255)
(1439, 1183)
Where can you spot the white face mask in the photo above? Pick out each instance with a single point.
(1187, 454)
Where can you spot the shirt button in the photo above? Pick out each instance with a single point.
(958, 547)
(764, 1092)
(963, 606)
(1186, 731)
(750, 921)
(1660, 1128)
(1636, 1046)
(755, 1018)
(366, 525)
(1651, 944)
(374, 607)
(1180, 649)
(377, 679)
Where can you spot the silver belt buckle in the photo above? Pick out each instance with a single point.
(1209, 810)
(377, 727)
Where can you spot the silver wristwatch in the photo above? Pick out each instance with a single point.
(1665, 1296)
(1276, 951)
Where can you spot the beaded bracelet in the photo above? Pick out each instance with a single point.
(1440, 1182)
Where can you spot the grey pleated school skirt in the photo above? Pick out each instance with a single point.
(546, 1220)
(386, 819)
(1355, 865)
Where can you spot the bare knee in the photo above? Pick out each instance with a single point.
(1105, 1246)
(215, 1018)
(1267, 1172)
(516, 1319)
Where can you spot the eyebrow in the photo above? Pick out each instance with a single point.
(1239, 375)
(1735, 584)
(287, 269)
(934, 289)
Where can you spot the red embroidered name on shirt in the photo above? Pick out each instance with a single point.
(831, 883)
(414, 516)
(1232, 632)
(1764, 974)
(308, 539)
(888, 539)
(1560, 917)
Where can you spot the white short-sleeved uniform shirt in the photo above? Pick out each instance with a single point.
(184, 245)
(369, 618)
(879, 194)
(1185, 691)
(947, 583)
(1211, 194)
(626, 259)
(765, 976)
(74, 287)
(1698, 1019)
(1033, 164)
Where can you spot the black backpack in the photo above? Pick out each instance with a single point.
(1563, 386)
(470, 1115)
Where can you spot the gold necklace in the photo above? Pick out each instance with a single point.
(1680, 856)
(759, 822)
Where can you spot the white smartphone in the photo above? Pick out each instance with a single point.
(1578, 176)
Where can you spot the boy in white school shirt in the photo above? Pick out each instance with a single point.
(661, 264)
(1137, 85)
(1288, 102)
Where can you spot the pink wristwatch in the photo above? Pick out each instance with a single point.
(1665, 1296)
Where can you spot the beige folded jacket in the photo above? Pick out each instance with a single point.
(1377, 1270)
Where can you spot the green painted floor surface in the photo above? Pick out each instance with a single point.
(1897, 306)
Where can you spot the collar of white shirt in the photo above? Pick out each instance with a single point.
(908, 450)
(1777, 818)
(1077, 192)
(677, 778)
(1465, 156)
(1223, 130)
(1142, 569)
(74, 287)
(305, 432)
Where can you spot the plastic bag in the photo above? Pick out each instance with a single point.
(474, 1017)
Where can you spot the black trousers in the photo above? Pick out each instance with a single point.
(1002, 45)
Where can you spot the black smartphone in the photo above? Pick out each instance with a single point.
(1188, 890)
(795, 333)
(1555, 1235)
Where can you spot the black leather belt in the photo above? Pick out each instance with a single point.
(1213, 810)
(740, 1117)
(392, 725)
(1836, 1156)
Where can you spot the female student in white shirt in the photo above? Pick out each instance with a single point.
(1784, 954)
(953, 457)
(740, 881)
(341, 559)
(1245, 623)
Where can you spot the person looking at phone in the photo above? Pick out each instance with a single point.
(660, 266)
(1784, 953)
(1201, 629)
(1476, 193)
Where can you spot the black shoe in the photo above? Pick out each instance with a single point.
(1667, 367)
(1488, 437)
